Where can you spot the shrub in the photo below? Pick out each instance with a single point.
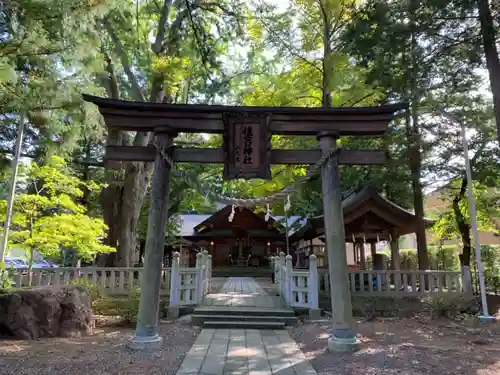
(129, 309)
(95, 290)
(445, 305)
(97, 295)
(5, 280)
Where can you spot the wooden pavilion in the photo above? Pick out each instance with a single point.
(368, 219)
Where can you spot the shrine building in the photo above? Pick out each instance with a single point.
(247, 240)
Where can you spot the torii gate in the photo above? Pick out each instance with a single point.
(247, 153)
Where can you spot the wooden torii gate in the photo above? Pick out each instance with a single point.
(247, 153)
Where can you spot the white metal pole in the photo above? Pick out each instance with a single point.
(473, 219)
(12, 188)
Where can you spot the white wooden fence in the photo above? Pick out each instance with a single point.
(183, 285)
(113, 281)
(404, 283)
(190, 285)
(301, 287)
(298, 288)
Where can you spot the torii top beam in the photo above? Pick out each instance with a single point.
(196, 118)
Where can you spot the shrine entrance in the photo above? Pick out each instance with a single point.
(247, 153)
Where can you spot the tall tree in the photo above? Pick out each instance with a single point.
(189, 37)
(489, 38)
(418, 52)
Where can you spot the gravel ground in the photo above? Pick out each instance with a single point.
(413, 346)
(102, 353)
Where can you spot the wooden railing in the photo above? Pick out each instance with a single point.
(184, 286)
(190, 285)
(113, 281)
(297, 288)
(403, 283)
(300, 287)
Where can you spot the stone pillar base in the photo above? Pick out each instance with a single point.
(336, 344)
(487, 319)
(145, 343)
(172, 312)
(314, 314)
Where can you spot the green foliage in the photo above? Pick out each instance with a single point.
(490, 256)
(445, 305)
(129, 309)
(96, 292)
(47, 216)
(5, 280)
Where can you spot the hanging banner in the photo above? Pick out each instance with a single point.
(247, 146)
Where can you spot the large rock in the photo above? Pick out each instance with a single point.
(53, 311)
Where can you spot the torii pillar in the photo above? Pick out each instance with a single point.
(146, 332)
(343, 338)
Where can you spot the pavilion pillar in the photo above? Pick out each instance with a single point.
(373, 249)
(395, 262)
(343, 336)
(146, 333)
(362, 257)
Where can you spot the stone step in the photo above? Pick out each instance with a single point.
(248, 311)
(199, 319)
(243, 324)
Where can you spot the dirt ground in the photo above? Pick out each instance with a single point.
(415, 346)
(102, 353)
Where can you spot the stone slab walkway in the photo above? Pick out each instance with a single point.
(242, 292)
(244, 351)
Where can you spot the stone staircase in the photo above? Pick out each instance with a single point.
(243, 317)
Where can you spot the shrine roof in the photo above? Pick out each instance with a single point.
(191, 221)
(366, 212)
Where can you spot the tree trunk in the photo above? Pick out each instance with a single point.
(124, 209)
(326, 99)
(491, 55)
(462, 224)
(134, 190)
(418, 196)
(414, 142)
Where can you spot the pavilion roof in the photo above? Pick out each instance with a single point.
(367, 215)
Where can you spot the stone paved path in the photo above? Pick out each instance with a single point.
(242, 292)
(245, 351)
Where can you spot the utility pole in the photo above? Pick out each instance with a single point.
(12, 188)
(485, 317)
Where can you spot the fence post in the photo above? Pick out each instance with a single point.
(279, 273)
(272, 269)
(205, 272)
(289, 280)
(199, 279)
(466, 282)
(173, 307)
(209, 271)
(314, 311)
